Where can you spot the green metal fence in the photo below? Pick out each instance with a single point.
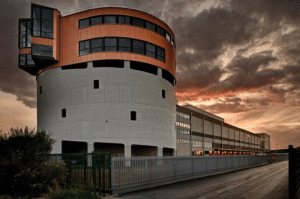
(88, 169)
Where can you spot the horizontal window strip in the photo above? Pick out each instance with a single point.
(127, 20)
(120, 44)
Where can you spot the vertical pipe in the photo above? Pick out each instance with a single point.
(292, 192)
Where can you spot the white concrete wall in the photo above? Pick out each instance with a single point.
(103, 115)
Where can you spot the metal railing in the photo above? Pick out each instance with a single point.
(135, 171)
(294, 172)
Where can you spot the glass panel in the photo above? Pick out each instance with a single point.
(29, 60)
(47, 14)
(47, 29)
(121, 19)
(138, 22)
(46, 48)
(124, 45)
(86, 44)
(138, 47)
(150, 50)
(22, 59)
(96, 45)
(160, 31)
(47, 53)
(23, 37)
(29, 34)
(150, 26)
(110, 44)
(110, 19)
(84, 52)
(127, 20)
(84, 23)
(81, 45)
(36, 13)
(35, 49)
(36, 28)
(168, 37)
(23, 26)
(96, 20)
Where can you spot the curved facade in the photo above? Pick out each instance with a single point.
(105, 79)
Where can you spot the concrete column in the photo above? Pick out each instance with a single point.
(127, 64)
(90, 64)
(159, 152)
(127, 150)
(90, 147)
(159, 72)
(57, 148)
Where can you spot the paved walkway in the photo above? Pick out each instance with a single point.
(264, 182)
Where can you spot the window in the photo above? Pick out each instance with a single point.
(42, 22)
(110, 19)
(160, 31)
(41, 90)
(139, 47)
(168, 37)
(197, 144)
(124, 20)
(124, 45)
(160, 53)
(84, 23)
(25, 60)
(63, 113)
(138, 22)
(168, 76)
(150, 50)
(96, 45)
(75, 66)
(109, 63)
(25, 34)
(110, 44)
(163, 94)
(84, 47)
(183, 141)
(96, 20)
(96, 84)
(133, 115)
(150, 26)
(148, 68)
(42, 50)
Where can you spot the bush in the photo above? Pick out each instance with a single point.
(22, 162)
(72, 193)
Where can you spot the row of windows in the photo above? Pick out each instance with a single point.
(182, 131)
(207, 145)
(184, 115)
(25, 60)
(183, 125)
(197, 143)
(25, 34)
(183, 141)
(121, 45)
(127, 20)
(42, 50)
(42, 24)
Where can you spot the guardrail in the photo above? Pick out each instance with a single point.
(294, 173)
(135, 173)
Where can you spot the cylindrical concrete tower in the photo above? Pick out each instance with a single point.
(105, 79)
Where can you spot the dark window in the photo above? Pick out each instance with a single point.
(75, 66)
(160, 31)
(84, 47)
(163, 94)
(29, 60)
(124, 45)
(173, 43)
(63, 112)
(109, 63)
(133, 115)
(168, 37)
(42, 22)
(96, 84)
(160, 53)
(139, 47)
(150, 26)
(25, 34)
(83, 23)
(97, 45)
(110, 44)
(148, 68)
(138, 22)
(42, 50)
(110, 19)
(22, 60)
(124, 20)
(168, 76)
(41, 90)
(150, 50)
(96, 20)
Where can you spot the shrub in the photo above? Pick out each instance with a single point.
(72, 193)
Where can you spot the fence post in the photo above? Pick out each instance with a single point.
(112, 177)
(292, 190)
(146, 169)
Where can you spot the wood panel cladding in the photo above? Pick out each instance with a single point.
(66, 40)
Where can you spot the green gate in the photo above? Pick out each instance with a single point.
(89, 169)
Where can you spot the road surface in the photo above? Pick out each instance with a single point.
(264, 182)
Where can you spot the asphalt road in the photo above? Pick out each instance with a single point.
(264, 182)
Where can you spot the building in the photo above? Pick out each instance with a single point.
(105, 79)
(106, 82)
(264, 142)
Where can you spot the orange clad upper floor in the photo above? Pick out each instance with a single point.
(69, 37)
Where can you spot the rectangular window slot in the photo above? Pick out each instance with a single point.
(109, 63)
(163, 94)
(133, 115)
(41, 90)
(96, 84)
(168, 76)
(148, 68)
(75, 66)
(42, 21)
(63, 113)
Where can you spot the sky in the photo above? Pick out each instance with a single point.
(238, 59)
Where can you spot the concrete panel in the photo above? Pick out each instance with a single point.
(217, 130)
(237, 135)
(225, 131)
(208, 127)
(183, 149)
(231, 133)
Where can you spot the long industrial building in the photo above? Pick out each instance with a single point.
(106, 81)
